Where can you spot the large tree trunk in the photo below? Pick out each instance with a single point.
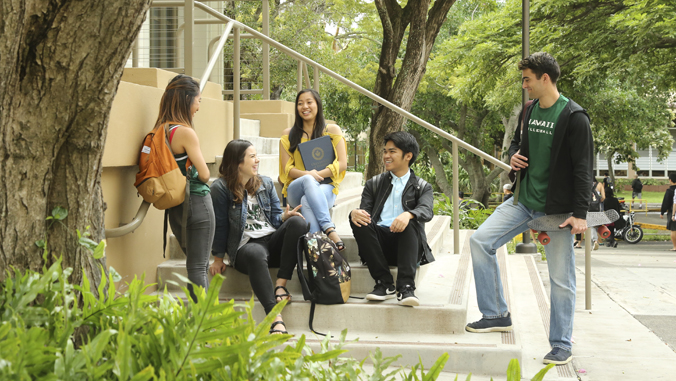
(510, 128)
(473, 164)
(400, 88)
(60, 65)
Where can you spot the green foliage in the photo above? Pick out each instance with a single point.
(53, 330)
(470, 217)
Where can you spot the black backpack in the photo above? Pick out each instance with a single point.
(329, 274)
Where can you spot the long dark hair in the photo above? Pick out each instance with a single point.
(296, 132)
(176, 101)
(233, 156)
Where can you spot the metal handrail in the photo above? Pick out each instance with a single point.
(131, 226)
(347, 82)
(215, 55)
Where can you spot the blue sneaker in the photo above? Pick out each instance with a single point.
(503, 324)
(558, 356)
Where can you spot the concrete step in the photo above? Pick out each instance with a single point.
(237, 285)
(249, 127)
(264, 146)
(420, 333)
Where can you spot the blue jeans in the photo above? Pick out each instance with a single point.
(504, 224)
(316, 200)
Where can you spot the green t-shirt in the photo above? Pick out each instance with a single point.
(533, 192)
(197, 187)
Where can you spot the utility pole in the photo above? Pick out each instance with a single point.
(527, 246)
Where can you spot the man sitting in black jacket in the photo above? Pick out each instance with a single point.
(389, 225)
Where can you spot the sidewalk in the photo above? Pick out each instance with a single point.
(630, 332)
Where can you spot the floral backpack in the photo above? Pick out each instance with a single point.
(328, 273)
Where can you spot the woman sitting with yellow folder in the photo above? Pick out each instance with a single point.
(304, 187)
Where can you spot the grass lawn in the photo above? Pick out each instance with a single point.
(651, 197)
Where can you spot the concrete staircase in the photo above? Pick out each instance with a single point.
(424, 333)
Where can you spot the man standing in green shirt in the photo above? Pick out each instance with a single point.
(553, 157)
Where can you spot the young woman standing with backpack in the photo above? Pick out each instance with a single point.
(180, 102)
(252, 229)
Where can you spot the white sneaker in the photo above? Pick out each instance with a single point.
(596, 245)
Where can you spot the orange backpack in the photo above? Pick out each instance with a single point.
(159, 179)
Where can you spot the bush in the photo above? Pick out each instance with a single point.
(471, 217)
(51, 329)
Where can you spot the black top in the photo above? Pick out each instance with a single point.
(668, 201)
(417, 198)
(571, 163)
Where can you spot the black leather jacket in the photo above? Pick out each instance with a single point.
(417, 198)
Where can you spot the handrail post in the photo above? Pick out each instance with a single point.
(236, 84)
(316, 78)
(266, 51)
(456, 200)
(134, 53)
(587, 269)
(299, 76)
(306, 73)
(189, 22)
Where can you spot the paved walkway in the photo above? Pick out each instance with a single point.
(630, 333)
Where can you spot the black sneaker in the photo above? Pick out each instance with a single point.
(558, 356)
(406, 297)
(381, 292)
(503, 324)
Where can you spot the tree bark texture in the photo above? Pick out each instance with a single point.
(60, 65)
(510, 128)
(423, 23)
(473, 164)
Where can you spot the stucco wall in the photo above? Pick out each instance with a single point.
(133, 115)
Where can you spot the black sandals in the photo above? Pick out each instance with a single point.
(339, 245)
(274, 331)
(282, 296)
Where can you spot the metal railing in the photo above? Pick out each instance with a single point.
(302, 60)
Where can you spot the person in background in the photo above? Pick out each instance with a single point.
(607, 183)
(668, 209)
(180, 102)
(636, 191)
(612, 202)
(302, 187)
(252, 229)
(596, 205)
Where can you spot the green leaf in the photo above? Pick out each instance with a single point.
(541, 374)
(40, 243)
(514, 371)
(100, 250)
(116, 276)
(59, 213)
(88, 243)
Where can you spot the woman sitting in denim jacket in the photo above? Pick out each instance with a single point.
(252, 228)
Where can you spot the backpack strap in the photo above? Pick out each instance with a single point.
(304, 283)
(186, 200)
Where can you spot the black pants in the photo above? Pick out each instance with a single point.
(379, 248)
(275, 250)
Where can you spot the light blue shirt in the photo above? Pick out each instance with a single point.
(393, 206)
